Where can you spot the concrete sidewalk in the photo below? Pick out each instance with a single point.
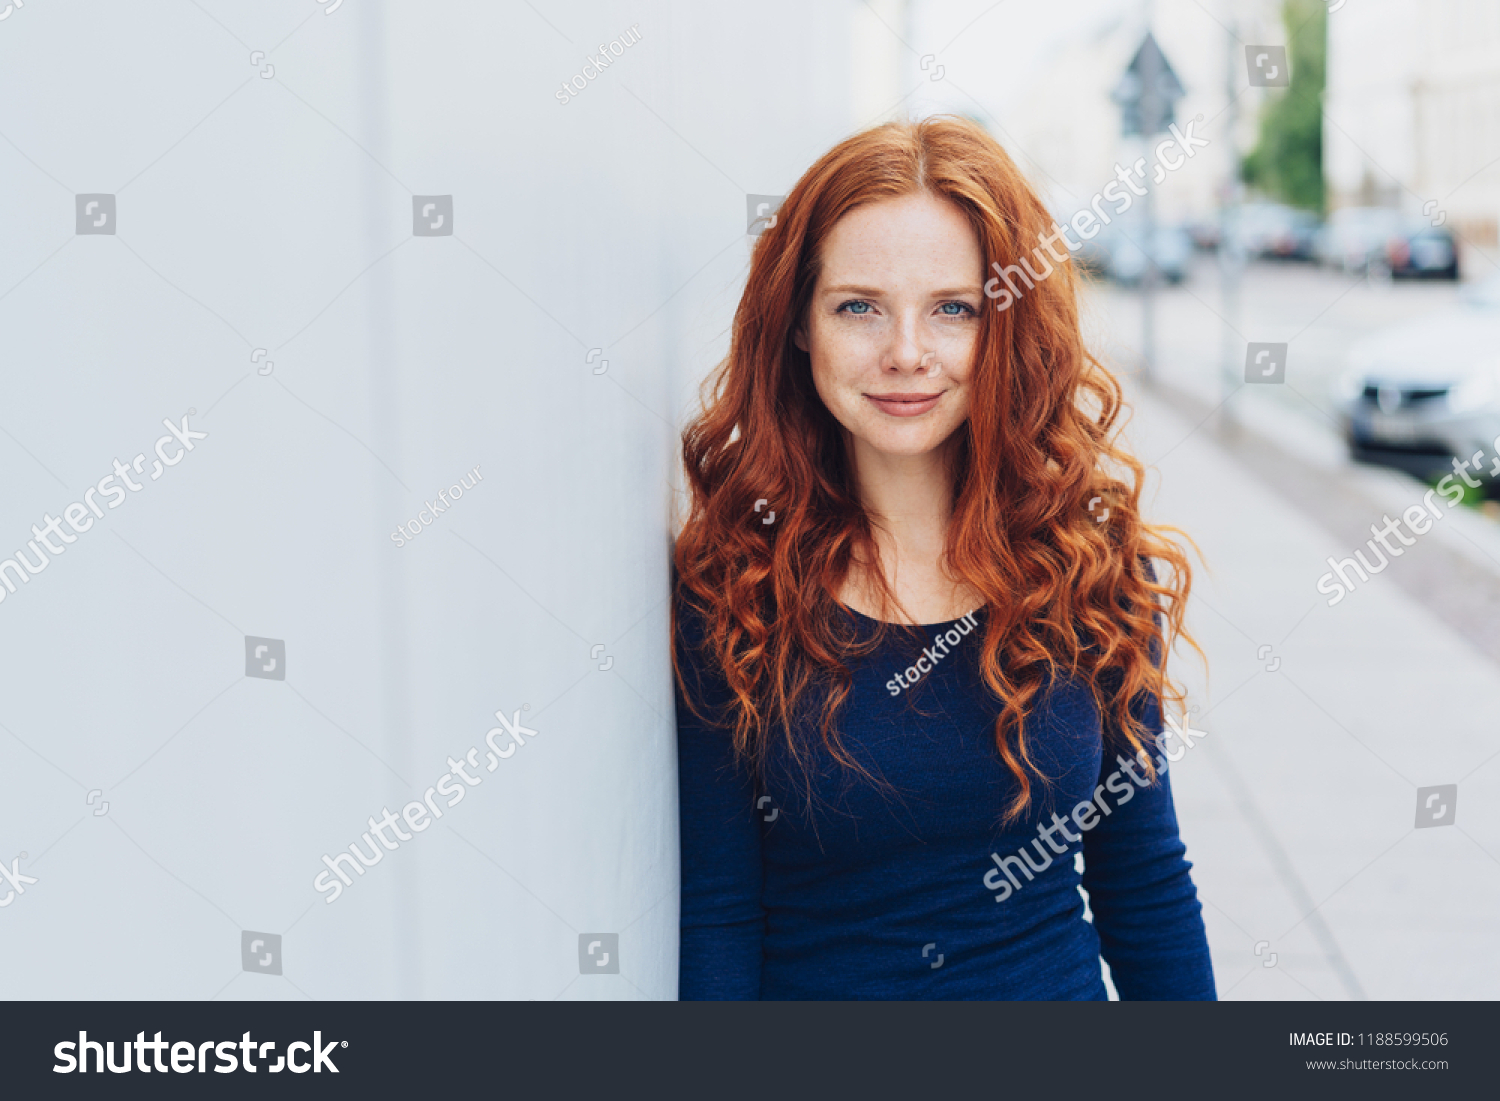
(1323, 723)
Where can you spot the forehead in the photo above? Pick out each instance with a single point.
(916, 238)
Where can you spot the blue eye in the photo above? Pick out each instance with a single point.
(847, 307)
(963, 307)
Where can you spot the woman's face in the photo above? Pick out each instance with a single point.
(893, 321)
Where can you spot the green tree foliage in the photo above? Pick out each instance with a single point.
(1287, 162)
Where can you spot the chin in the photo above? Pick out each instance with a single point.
(903, 443)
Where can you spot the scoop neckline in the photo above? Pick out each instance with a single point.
(915, 626)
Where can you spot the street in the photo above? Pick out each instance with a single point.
(1326, 725)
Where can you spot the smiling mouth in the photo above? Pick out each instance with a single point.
(904, 405)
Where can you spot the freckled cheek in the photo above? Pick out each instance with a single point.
(848, 356)
(840, 372)
(957, 357)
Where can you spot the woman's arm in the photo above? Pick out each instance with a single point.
(723, 922)
(1146, 909)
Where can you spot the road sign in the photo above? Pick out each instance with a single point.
(1147, 92)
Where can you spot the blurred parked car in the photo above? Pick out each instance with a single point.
(1423, 251)
(1420, 394)
(1271, 229)
(1293, 239)
(1205, 233)
(1354, 235)
(1171, 249)
(1117, 253)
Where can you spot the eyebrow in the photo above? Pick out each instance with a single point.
(876, 292)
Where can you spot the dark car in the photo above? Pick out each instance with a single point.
(1423, 252)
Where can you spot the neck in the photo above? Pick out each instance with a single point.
(908, 497)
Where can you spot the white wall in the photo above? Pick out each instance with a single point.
(276, 212)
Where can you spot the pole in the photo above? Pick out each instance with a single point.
(1231, 262)
(1152, 110)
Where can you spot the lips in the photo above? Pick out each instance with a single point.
(906, 404)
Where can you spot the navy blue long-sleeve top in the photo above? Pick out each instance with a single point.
(917, 890)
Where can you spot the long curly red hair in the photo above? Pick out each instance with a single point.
(1063, 592)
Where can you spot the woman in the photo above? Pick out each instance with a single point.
(915, 615)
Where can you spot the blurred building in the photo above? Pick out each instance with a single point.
(1069, 129)
(1412, 111)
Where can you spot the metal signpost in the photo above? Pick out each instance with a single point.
(1147, 95)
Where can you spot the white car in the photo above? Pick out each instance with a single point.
(1420, 394)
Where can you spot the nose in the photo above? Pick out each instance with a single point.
(909, 346)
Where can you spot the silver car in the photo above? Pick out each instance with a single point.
(1424, 393)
